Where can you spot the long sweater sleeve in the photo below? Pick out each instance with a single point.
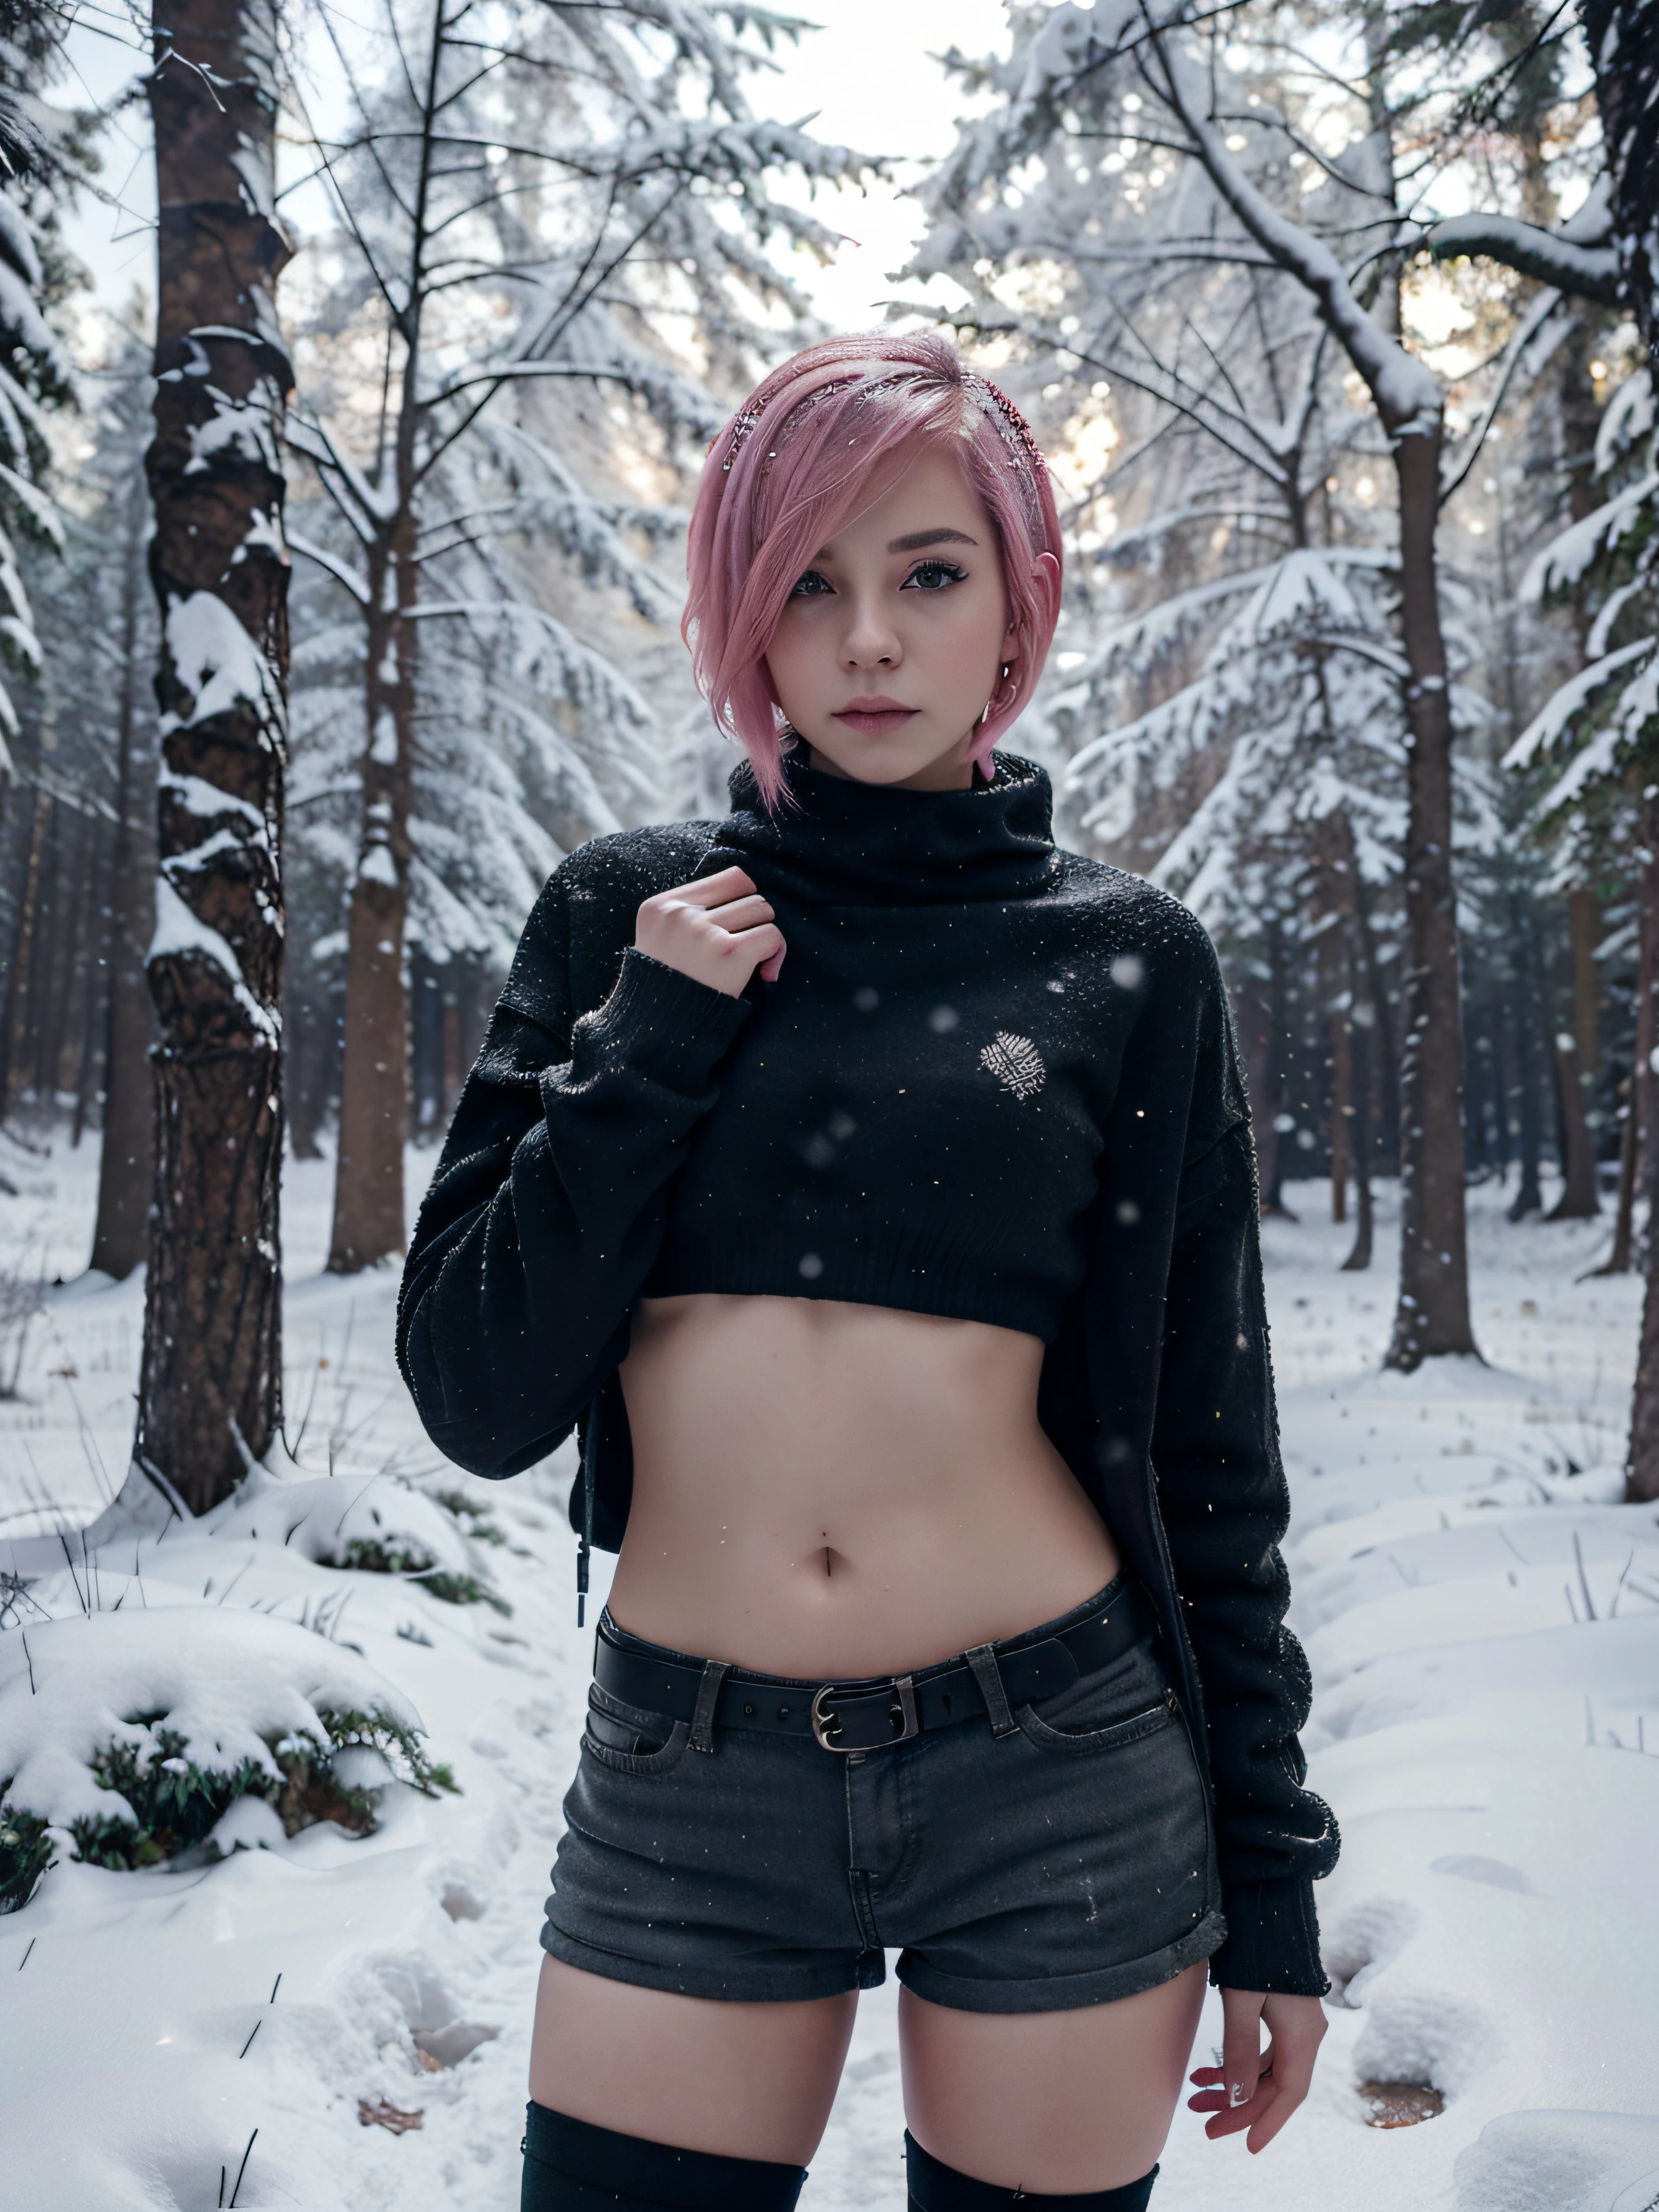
(546, 1210)
(1225, 1507)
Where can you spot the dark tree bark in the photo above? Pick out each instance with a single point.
(210, 1392)
(1361, 1031)
(43, 1031)
(1334, 908)
(1342, 1106)
(1634, 1148)
(368, 1182)
(14, 1023)
(1433, 1316)
(1370, 988)
(1575, 1065)
(1623, 37)
(1524, 1020)
(1642, 1470)
(126, 1166)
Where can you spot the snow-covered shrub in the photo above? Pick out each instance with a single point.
(472, 1516)
(134, 1734)
(381, 1528)
(25, 1855)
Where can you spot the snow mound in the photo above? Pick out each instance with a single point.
(230, 1684)
(338, 1523)
(1547, 2162)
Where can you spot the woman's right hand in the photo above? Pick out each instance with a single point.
(717, 930)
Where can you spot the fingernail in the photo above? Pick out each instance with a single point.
(1238, 2094)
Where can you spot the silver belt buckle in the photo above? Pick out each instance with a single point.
(826, 1726)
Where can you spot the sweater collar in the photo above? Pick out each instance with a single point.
(835, 843)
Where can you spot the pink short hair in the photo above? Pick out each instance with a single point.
(824, 437)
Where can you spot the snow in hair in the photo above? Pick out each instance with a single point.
(821, 439)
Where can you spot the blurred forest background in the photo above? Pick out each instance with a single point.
(1336, 321)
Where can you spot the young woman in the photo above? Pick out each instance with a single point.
(871, 1182)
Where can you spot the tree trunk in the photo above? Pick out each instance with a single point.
(1334, 864)
(95, 997)
(126, 1164)
(1385, 1060)
(368, 1182)
(1342, 1107)
(1636, 1148)
(1617, 1261)
(1623, 39)
(13, 1026)
(305, 1064)
(1433, 1316)
(211, 1386)
(1523, 1029)
(1576, 1057)
(62, 910)
(1360, 1034)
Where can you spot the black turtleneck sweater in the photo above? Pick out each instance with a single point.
(994, 1081)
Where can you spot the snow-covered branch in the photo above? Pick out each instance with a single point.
(1584, 272)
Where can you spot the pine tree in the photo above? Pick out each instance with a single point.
(210, 1385)
(1235, 224)
(1607, 717)
(565, 197)
(34, 371)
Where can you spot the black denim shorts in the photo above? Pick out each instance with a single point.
(1068, 1861)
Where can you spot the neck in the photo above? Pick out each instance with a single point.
(833, 839)
(952, 773)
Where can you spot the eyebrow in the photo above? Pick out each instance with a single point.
(918, 539)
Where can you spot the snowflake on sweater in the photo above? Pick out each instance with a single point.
(1015, 1061)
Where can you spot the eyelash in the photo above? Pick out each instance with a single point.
(948, 569)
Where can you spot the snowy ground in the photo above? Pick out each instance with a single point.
(1482, 1618)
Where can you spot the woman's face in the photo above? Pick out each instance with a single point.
(895, 637)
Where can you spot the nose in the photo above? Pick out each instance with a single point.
(870, 639)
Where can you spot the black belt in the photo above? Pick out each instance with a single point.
(862, 1715)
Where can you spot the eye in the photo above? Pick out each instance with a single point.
(934, 576)
(811, 586)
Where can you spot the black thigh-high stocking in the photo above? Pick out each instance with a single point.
(936, 2187)
(571, 2166)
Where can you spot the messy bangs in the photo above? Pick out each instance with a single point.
(823, 438)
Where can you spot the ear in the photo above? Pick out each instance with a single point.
(1046, 589)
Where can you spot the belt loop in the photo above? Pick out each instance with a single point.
(715, 1672)
(983, 1661)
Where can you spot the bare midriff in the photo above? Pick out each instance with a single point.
(830, 1490)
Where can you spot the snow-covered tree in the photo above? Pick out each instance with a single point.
(210, 1388)
(1605, 720)
(1172, 197)
(538, 204)
(34, 371)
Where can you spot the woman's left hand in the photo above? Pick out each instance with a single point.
(1254, 2088)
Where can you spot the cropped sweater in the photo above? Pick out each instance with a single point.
(994, 1081)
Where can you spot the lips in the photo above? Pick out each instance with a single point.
(877, 717)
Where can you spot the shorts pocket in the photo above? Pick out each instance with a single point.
(629, 1740)
(1038, 1730)
(1121, 1704)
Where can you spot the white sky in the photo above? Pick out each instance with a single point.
(866, 75)
(869, 75)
